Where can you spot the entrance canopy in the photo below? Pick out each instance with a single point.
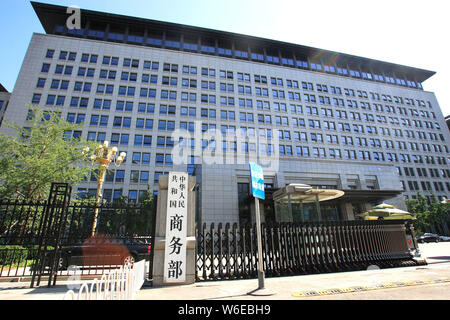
(301, 200)
(369, 196)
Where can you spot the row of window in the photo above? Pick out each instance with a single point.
(246, 103)
(284, 150)
(140, 140)
(244, 54)
(422, 172)
(413, 186)
(168, 125)
(224, 74)
(164, 125)
(135, 195)
(266, 119)
(143, 177)
(108, 89)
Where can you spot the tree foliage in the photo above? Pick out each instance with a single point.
(121, 217)
(128, 219)
(428, 213)
(36, 156)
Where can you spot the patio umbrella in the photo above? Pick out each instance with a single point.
(394, 216)
(384, 206)
(386, 211)
(401, 217)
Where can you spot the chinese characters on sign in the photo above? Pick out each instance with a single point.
(257, 181)
(176, 228)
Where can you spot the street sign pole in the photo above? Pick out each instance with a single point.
(259, 239)
(257, 186)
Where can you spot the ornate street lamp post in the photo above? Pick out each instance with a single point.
(103, 155)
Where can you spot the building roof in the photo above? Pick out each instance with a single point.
(52, 16)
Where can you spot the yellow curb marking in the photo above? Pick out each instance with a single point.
(299, 294)
(390, 285)
(324, 292)
(367, 288)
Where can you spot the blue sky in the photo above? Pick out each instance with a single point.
(411, 33)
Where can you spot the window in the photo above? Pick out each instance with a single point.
(166, 125)
(60, 100)
(188, 111)
(45, 67)
(163, 159)
(146, 107)
(51, 100)
(188, 126)
(50, 53)
(41, 83)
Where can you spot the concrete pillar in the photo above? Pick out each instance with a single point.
(160, 233)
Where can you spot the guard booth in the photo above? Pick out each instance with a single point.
(302, 203)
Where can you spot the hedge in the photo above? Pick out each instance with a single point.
(15, 254)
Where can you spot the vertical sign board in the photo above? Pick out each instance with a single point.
(257, 180)
(176, 228)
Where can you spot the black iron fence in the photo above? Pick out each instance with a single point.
(230, 252)
(45, 238)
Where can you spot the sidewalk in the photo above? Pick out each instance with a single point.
(310, 286)
(342, 285)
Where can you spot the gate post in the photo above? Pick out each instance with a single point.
(160, 233)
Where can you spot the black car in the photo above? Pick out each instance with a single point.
(101, 252)
(428, 237)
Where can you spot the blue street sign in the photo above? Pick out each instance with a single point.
(257, 181)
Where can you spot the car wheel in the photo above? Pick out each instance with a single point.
(128, 260)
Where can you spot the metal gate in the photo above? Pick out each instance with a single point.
(302, 248)
(49, 238)
(30, 232)
(35, 235)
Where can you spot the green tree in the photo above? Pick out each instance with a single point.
(129, 218)
(39, 154)
(427, 212)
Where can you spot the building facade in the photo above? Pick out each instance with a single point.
(157, 90)
(4, 100)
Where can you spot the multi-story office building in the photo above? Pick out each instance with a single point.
(4, 99)
(322, 118)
